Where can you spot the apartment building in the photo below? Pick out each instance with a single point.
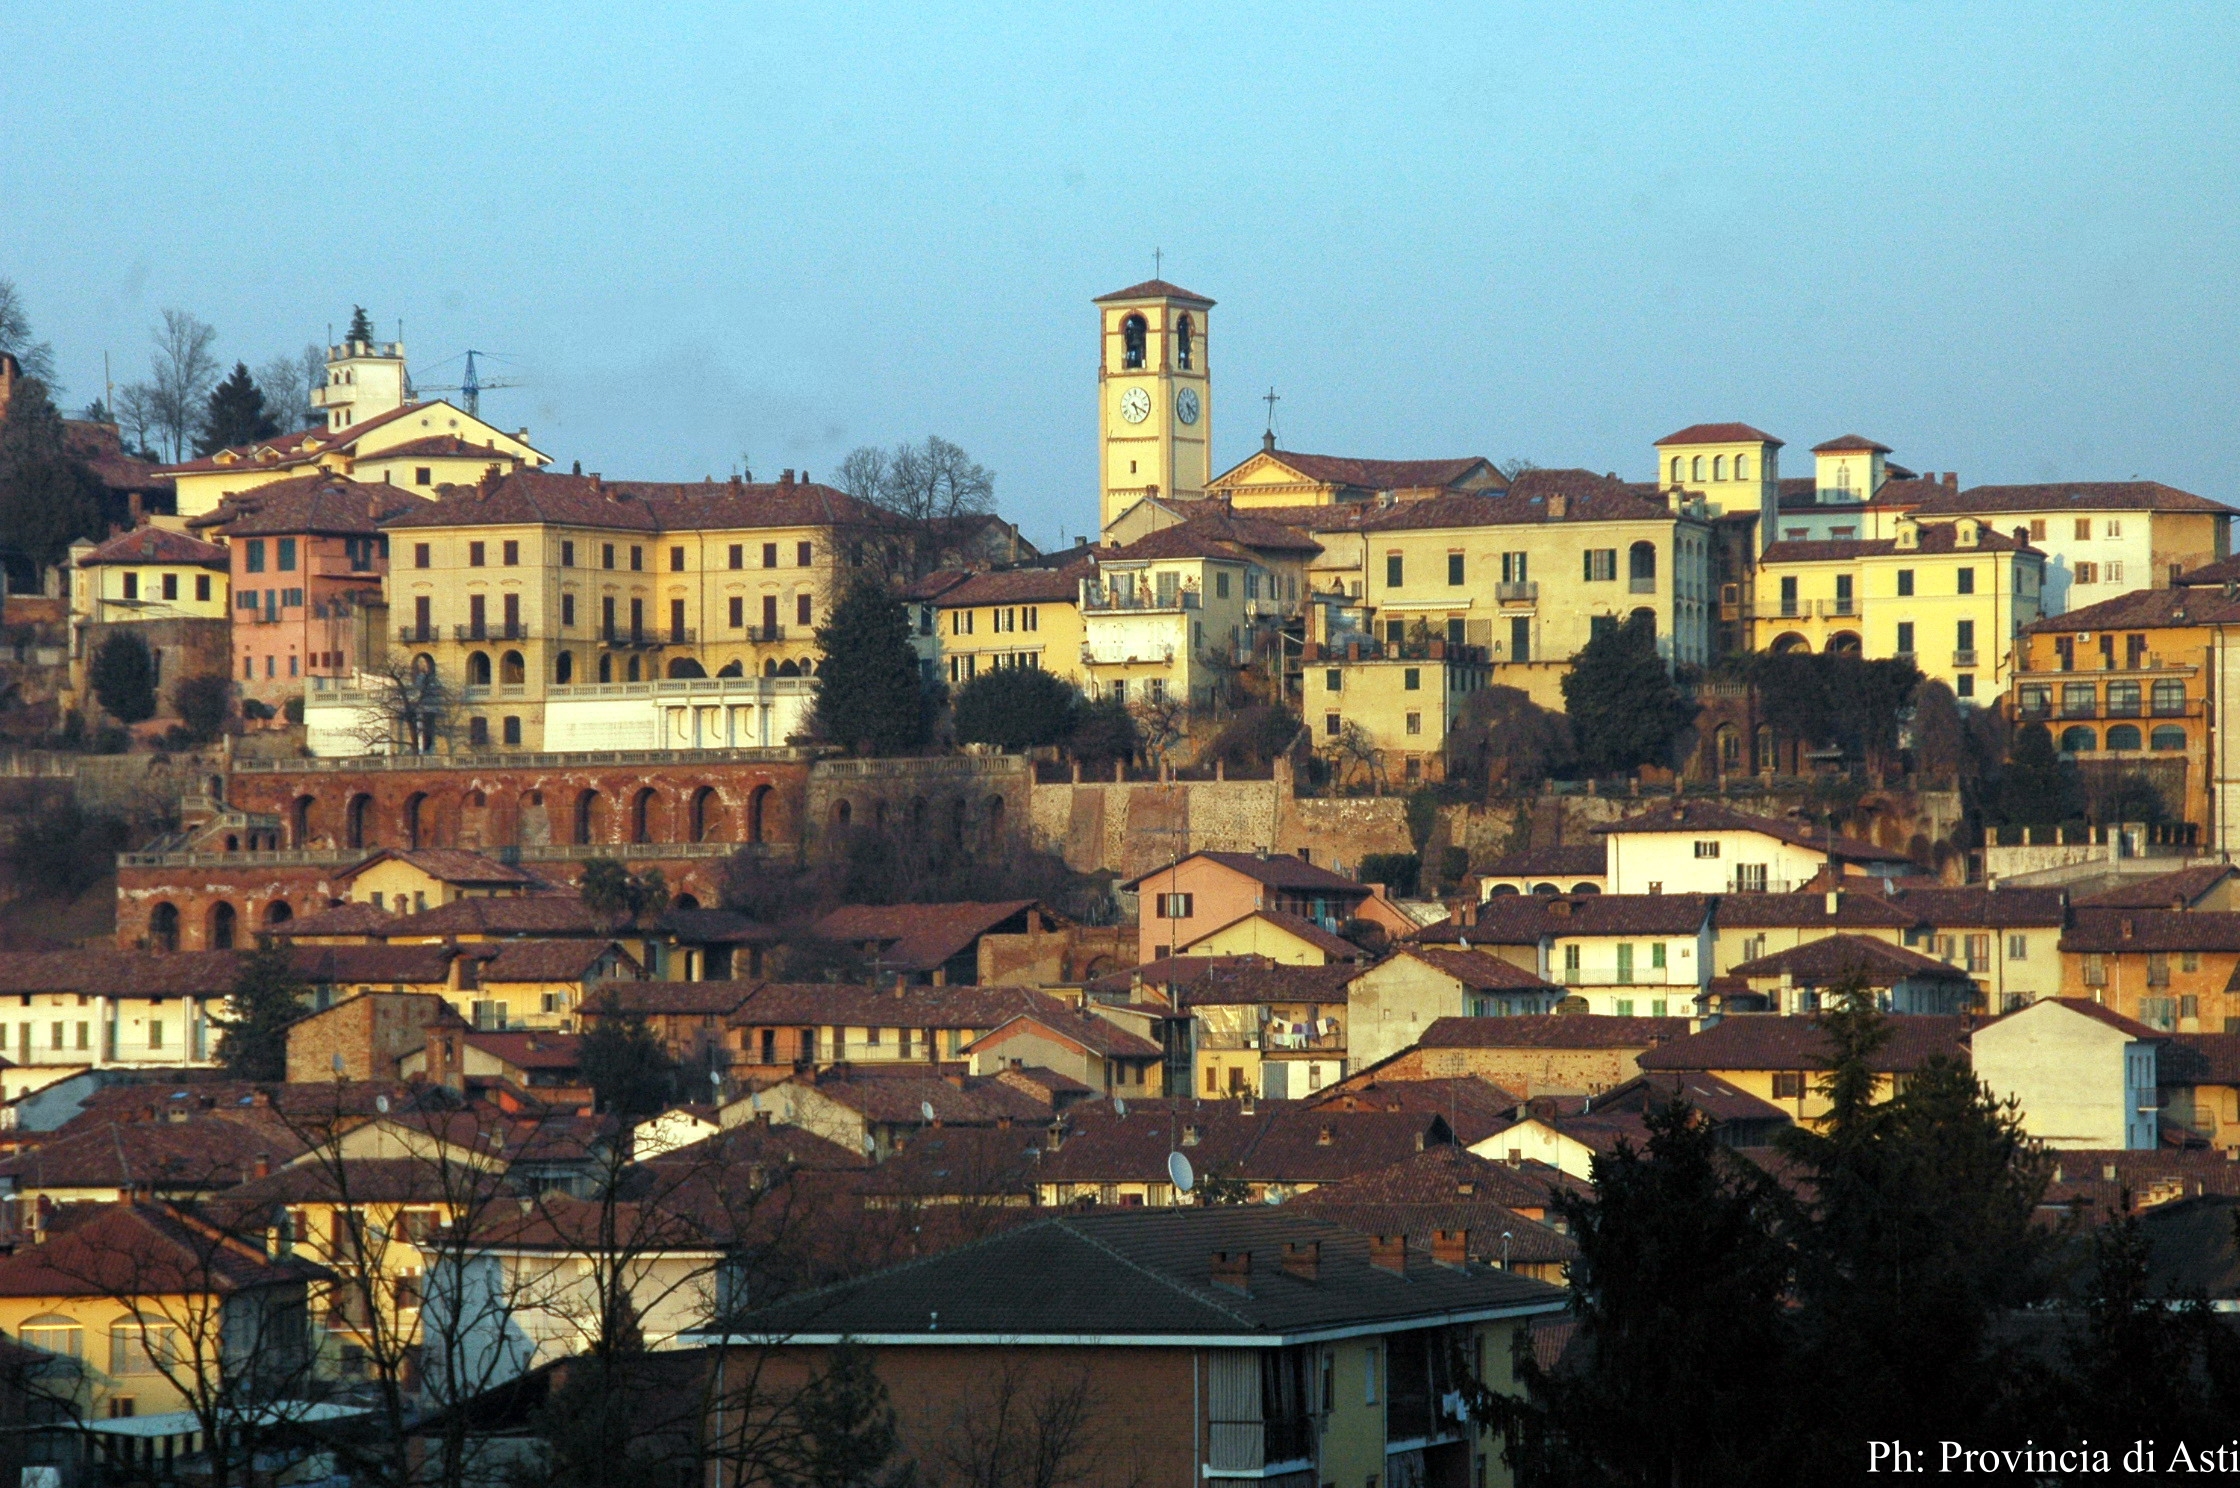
(964, 624)
(1173, 614)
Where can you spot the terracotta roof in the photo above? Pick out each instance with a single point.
(1095, 1035)
(2059, 496)
(1769, 1041)
(670, 999)
(294, 447)
(1234, 538)
(324, 505)
(1935, 538)
(897, 1098)
(1298, 926)
(1580, 860)
(1618, 914)
(1718, 434)
(356, 918)
(921, 937)
(1478, 971)
(1380, 475)
(147, 1250)
(1276, 870)
(1704, 816)
(2198, 1059)
(1443, 1175)
(1017, 586)
(2141, 609)
(205, 1150)
(510, 914)
(399, 964)
(1525, 504)
(121, 973)
(2180, 890)
(2086, 1007)
(526, 497)
(156, 545)
(1849, 443)
(530, 1051)
(715, 927)
(1153, 289)
(934, 584)
(1277, 1141)
(450, 445)
(1165, 971)
(1807, 910)
(2223, 571)
(961, 1162)
(830, 1004)
(550, 961)
(1984, 906)
(1228, 980)
(364, 1180)
(2142, 930)
(1551, 1032)
(1822, 963)
(451, 865)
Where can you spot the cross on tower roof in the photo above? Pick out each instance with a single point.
(1268, 440)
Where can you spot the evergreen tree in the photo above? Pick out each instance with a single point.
(236, 414)
(2038, 788)
(624, 1064)
(49, 498)
(611, 890)
(847, 1434)
(1016, 708)
(1678, 1295)
(2143, 1364)
(1625, 708)
(868, 694)
(1103, 732)
(267, 997)
(124, 677)
(361, 325)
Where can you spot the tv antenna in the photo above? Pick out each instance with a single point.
(470, 387)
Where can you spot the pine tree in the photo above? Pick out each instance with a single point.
(124, 677)
(868, 694)
(611, 890)
(48, 497)
(1625, 709)
(848, 1434)
(361, 325)
(624, 1064)
(1016, 708)
(267, 997)
(236, 414)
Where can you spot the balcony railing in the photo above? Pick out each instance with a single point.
(515, 630)
(1248, 1446)
(1639, 585)
(419, 635)
(1833, 608)
(1963, 658)
(766, 632)
(622, 639)
(1522, 591)
(1183, 599)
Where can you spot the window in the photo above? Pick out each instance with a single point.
(2115, 528)
(202, 587)
(1221, 584)
(1333, 680)
(738, 555)
(567, 554)
(2088, 573)
(1454, 568)
(2115, 572)
(1415, 723)
(1789, 594)
(287, 555)
(567, 610)
(475, 553)
(253, 559)
(170, 586)
(2018, 948)
(1718, 467)
(1905, 582)
(637, 559)
(1964, 685)
(1601, 565)
(2037, 529)
(1788, 1084)
(291, 597)
(1967, 577)
(1707, 849)
(2084, 529)
(478, 731)
(1369, 1380)
(803, 607)
(676, 560)
(1964, 635)
(1742, 467)
(738, 611)
(1513, 570)
(1623, 1007)
(1411, 679)
(804, 555)
(511, 731)
(606, 555)
(1392, 570)
(509, 553)
(2166, 737)
(1330, 725)
(1905, 637)
(1175, 906)
(54, 1333)
(769, 555)
(2124, 736)
(423, 475)
(132, 586)
(1656, 955)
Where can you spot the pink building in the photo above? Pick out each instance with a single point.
(1207, 890)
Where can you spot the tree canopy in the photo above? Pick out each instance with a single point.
(124, 677)
(2038, 788)
(624, 1064)
(1016, 708)
(1625, 708)
(610, 889)
(235, 414)
(48, 497)
(869, 697)
(267, 997)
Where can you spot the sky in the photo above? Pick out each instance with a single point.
(2001, 239)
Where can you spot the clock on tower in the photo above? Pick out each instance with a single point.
(1154, 396)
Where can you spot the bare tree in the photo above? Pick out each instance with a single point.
(1028, 1428)
(287, 382)
(181, 375)
(35, 357)
(1351, 751)
(1163, 722)
(136, 412)
(920, 490)
(405, 707)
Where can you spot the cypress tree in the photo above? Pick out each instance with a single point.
(48, 497)
(236, 414)
(124, 677)
(267, 997)
(361, 325)
(868, 694)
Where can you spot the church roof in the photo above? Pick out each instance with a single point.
(1153, 289)
(1379, 475)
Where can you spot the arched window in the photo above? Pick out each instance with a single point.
(477, 799)
(2167, 736)
(219, 930)
(587, 818)
(1586, 888)
(2077, 740)
(2123, 736)
(1676, 470)
(1718, 467)
(278, 913)
(359, 816)
(685, 901)
(769, 666)
(789, 668)
(731, 668)
(606, 669)
(1647, 617)
(1789, 641)
(1695, 468)
(641, 816)
(1132, 336)
(707, 813)
(1764, 756)
(163, 928)
(685, 666)
(564, 668)
(1547, 890)
(1641, 567)
(1728, 743)
(1843, 643)
(843, 812)
(478, 669)
(758, 807)
(415, 810)
(1500, 889)
(632, 674)
(1742, 467)
(54, 1333)
(993, 816)
(300, 822)
(510, 669)
(1185, 332)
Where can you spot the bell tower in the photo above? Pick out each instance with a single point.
(1154, 396)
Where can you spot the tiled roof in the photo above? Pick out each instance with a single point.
(2141, 930)
(1551, 1032)
(156, 545)
(2097, 1012)
(527, 497)
(897, 1097)
(1442, 1175)
(2198, 1059)
(1935, 537)
(1215, 536)
(294, 447)
(1297, 926)
(961, 1162)
(1472, 1105)
(1276, 870)
(1850, 443)
(512, 914)
(1477, 971)
(1822, 963)
(1807, 910)
(1979, 904)
(451, 865)
(1278, 1141)
(207, 1150)
(1018, 586)
(1153, 289)
(1718, 434)
(1525, 504)
(1148, 1274)
(1769, 1041)
(450, 445)
(715, 927)
(830, 1004)
(121, 973)
(2061, 496)
(549, 961)
(1704, 816)
(1380, 475)
(1619, 914)
(355, 918)
(530, 1051)
(1095, 1035)
(1580, 860)
(1164, 972)
(398, 964)
(2223, 571)
(2179, 890)
(670, 999)
(921, 937)
(144, 1250)
(322, 505)
(364, 1180)
(2141, 609)
(934, 584)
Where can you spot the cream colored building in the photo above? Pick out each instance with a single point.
(1405, 700)
(1733, 467)
(2083, 1074)
(1703, 848)
(1174, 614)
(1390, 1005)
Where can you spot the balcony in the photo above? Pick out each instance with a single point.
(1640, 585)
(1792, 609)
(765, 633)
(1521, 592)
(646, 640)
(513, 630)
(1837, 608)
(1253, 1446)
(1963, 658)
(419, 635)
(1096, 601)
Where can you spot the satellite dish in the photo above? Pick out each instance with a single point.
(338, 1065)
(381, 1104)
(870, 1147)
(1178, 1169)
(715, 1078)
(925, 1109)
(1119, 1107)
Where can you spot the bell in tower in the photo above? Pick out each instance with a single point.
(1154, 397)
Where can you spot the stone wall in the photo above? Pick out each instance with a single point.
(1134, 827)
(981, 794)
(183, 648)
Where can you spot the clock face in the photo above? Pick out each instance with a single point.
(1186, 405)
(1135, 405)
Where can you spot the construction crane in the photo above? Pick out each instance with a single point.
(471, 387)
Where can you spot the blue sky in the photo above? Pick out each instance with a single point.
(2001, 239)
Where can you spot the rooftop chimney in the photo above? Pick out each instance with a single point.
(598, 486)
(1389, 1253)
(1952, 480)
(1303, 1260)
(1450, 1247)
(785, 477)
(1835, 901)
(1232, 1271)
(263, 1168)
(1559, 507)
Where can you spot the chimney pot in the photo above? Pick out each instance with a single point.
(1389, 1253)
(264, 1165)
(1232, 1270)
(1450, 1247)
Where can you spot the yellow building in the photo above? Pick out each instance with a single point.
(408, 881)
(532, 588)
(1733, 467)
(966, 624)
(1175, 614)
(1953, 597)
(1405, 699)
(1273, 935)
(148, 573)
(1154, 396)
(1274, 478)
